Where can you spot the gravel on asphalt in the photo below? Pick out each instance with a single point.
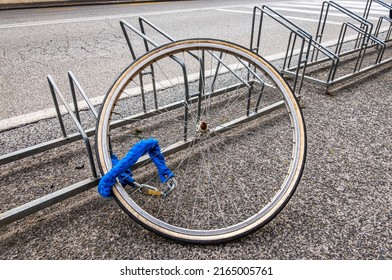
(342, 208)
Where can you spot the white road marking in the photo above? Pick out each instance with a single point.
(355, 11)
(109, 17)
(288, 17)
(347, 5)
(49, 113)
(353, 8)
(314, 12)
(361, 4)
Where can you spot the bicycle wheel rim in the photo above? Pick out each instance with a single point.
(263, 216)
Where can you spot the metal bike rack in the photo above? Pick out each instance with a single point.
(381, 19)
(75, 116)
(143, 23)
(82, 134)
(69, 191)
(296, 64)
(67, 138)
(306, 43)
(365, 41)
(312, 52)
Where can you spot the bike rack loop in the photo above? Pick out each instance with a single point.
(142, 33)
(295, 31)
(307, 40)
(75, 117)
(69, 191)
(362, 44)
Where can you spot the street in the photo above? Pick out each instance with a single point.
(341, 209)
(88, 41)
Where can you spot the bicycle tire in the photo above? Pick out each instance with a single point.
(157, 119)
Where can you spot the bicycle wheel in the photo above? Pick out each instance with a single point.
(230, 129)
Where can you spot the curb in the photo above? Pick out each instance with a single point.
(64, 3)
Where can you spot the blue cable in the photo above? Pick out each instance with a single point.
(122, 168)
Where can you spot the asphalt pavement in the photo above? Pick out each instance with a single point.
(342, 208)
(88, 41)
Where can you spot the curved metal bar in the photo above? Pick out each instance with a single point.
(74, 82)
(55, 91)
